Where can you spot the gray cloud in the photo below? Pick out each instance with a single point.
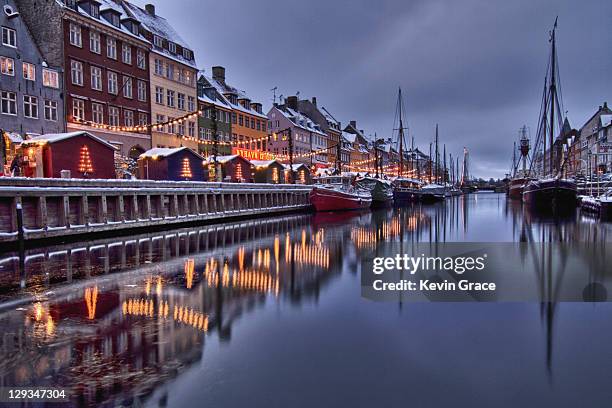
(476, 67)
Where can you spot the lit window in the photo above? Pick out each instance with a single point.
(7, 66)
(29, 71)
(8, 105)
(50, 78)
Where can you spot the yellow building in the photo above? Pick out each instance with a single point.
(173, 72)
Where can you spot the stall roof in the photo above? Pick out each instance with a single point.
(58, 137)
(264, 163)
(164, 152)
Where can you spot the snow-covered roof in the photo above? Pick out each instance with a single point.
(263, 163)
(159, 26)
(224, 89)
(223, 159)
(104, 6)
(296, 166)
(606, 120)
(350, 137)
(300, 120)
(164, 152)
(57, 137)
(219, 101)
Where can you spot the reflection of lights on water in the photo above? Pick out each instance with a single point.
(363, 236)
(50, 326)
(91, 300)
(38, 312)
(158, 288)
(181, 314)
(189, 271)
(44, 326)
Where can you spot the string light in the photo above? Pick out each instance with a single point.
(85, 165)
(186, 169)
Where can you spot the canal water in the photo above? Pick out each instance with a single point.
(269, 312)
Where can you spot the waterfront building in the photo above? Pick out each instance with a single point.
(173, 72)
(309, 141)
(215, 116)
(30, 85)
(248, 123)
(594, 144)
(106, 70)
(360, 152)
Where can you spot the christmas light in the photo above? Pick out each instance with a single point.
(186, 169)
(85, 165)
(275, 174)
(239, 171)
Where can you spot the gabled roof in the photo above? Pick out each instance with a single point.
(158, 152)
(58, 137)
(606, 120)
(300, 120)
(264, 163)
(224, 159)
(159, 26)
(224, 89)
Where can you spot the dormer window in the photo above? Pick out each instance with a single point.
(134, 26)
(158, 41)
(95, 10)
(172, 47)
(115, 20)
(70, 3)
(187, 54)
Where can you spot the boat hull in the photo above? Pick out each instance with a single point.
(406, 194)
(551, 194)
(605, 210)
(382, 193)
(324, 199)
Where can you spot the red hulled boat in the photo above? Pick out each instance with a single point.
(335, 193)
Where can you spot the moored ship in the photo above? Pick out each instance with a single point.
(336, 193)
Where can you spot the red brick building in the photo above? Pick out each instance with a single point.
(106, 67)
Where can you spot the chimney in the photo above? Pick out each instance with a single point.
(314, 101)
(292, 102)
(218, 73)
(353, 124)
(605, 105)
(150, 8)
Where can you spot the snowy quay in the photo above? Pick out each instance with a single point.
(34, 209)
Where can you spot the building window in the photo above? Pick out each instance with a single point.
(252, 123)
(190, 103)
(50, 78)
(8, 103)
(240, 120)
(29, 71)
(142, 91)
(7, 66)
(233, 118)
(94, 42)
(97, 113)
(141, 59)
(96, 78)
(191, 129)
(161, 119)
(170, 71)
(170, 99)
(159, 67)
(78, 109)
(142, 119)
(111, 48)
(159, 95)
(126, 54)
(115, 20)
(181, 101)
(128, 118)
(158, 41)
(172, 47)
(263, 126)
(76, 72)
(181, 75)
(51, 110)
(258, 125)
(75, 35)
(113, 116)
(95, 10)
(127, 87)
(181, 128)
(113, 85)
(171, 126)
(187, 54)
(202, 133)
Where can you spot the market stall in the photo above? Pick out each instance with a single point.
(176, 164)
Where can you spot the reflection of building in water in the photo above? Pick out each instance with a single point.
(107, 336)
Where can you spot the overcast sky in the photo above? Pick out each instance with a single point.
(474, 67)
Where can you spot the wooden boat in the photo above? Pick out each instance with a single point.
(553, 193)
(336, 193)
(406, 189)
(515, 188)
(380, 189)
(432, 192)
(605, 209)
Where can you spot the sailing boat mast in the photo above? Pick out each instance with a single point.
(553, 94)
(437, 157)
(401, 135)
